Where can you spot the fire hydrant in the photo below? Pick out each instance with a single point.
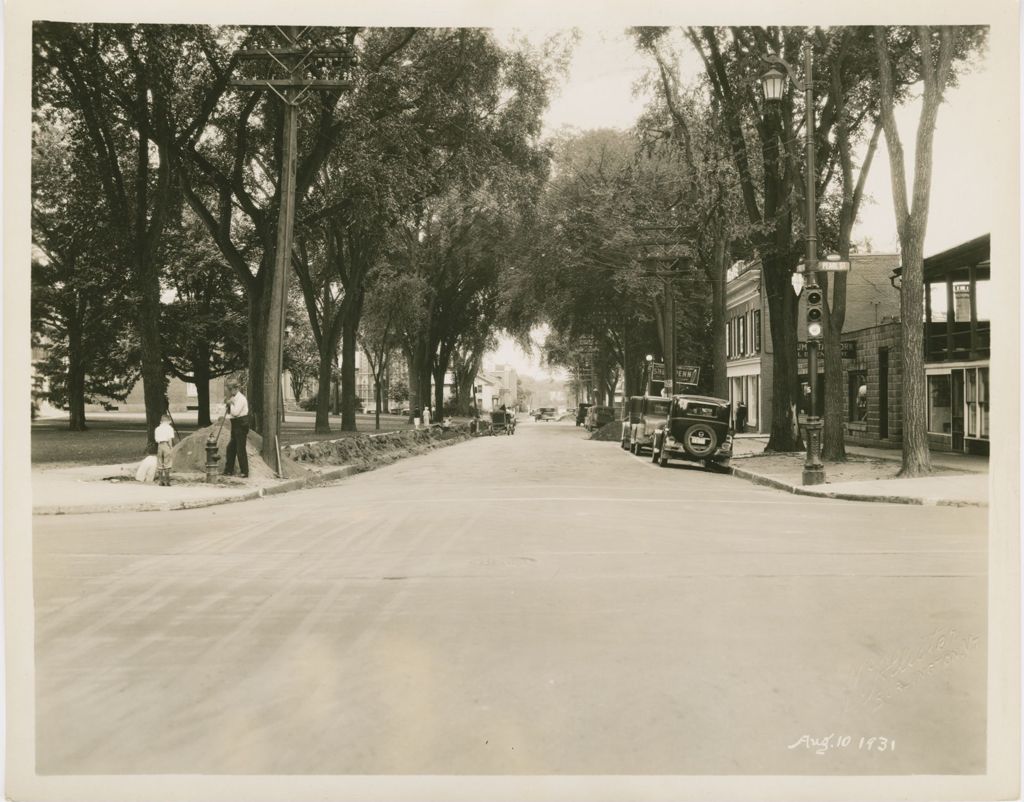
(212, 458)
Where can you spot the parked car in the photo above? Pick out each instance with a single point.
(598, 417)
(581, 413)
(546, 413)
(652, 415)
(697, 429)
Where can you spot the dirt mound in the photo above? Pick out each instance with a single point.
(189, 456)
(370, 450)
(610, 431)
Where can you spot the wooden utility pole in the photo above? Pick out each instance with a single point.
(293, 60)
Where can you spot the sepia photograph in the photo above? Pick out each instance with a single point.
(591, 402)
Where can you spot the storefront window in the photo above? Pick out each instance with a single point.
(940, 413)
(858, 396)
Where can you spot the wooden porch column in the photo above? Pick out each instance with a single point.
(950, 314)
(973, 271)
(927, 321)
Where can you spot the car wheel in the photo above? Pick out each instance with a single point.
(700, 441)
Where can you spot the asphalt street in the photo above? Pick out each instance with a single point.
(532, 604)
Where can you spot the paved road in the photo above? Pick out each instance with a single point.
(530, 604)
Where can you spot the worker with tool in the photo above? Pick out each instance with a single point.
(237, 411)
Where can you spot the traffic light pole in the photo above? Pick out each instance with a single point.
(814, 470)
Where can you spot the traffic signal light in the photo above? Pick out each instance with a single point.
(815, 313)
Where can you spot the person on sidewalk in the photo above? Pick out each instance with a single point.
(741, 417)
(237, 411)
(164, 436)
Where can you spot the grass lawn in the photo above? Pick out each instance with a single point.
(114, 439)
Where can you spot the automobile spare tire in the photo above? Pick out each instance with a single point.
(700, 440)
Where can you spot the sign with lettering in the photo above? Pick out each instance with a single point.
(685, 375)
(826, 266)
(848, 349)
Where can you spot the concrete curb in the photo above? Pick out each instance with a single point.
(798, 490)
(285, 486)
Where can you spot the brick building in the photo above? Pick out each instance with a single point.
(874, 411)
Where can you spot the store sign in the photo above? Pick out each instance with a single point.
(848, 350)
(685, 374)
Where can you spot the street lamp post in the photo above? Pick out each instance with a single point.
(773, 83)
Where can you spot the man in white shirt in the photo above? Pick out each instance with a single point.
(237, 411)
(164, 436)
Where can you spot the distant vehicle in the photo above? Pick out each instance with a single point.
(581, 413)
(697, 429)
(503, 422)
(546, 413)
(653, 411)
(598, 417)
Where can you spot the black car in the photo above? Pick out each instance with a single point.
(697, 429)
(652, 411)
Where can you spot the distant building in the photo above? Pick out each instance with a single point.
(507, 381)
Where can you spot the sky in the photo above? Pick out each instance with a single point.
(601, 91)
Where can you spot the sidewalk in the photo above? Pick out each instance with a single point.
(112, 488)
(869, 475)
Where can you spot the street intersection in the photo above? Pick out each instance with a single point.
(532, 604)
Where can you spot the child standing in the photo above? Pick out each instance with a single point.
(163, 435)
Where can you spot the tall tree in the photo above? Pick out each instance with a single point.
(454, 111)
(81, 315)
(938, 49)
(203, 319)
(391, 300)
(139, 91)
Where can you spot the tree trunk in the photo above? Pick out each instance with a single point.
(376, 404)
(439, 370)
(782, 307)
(323, 391)
(349, 331)
(413, 363)
(201, 376)
(76, 383)
(441, 363)
(154, 383)
(426, 377)
(916, 455)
